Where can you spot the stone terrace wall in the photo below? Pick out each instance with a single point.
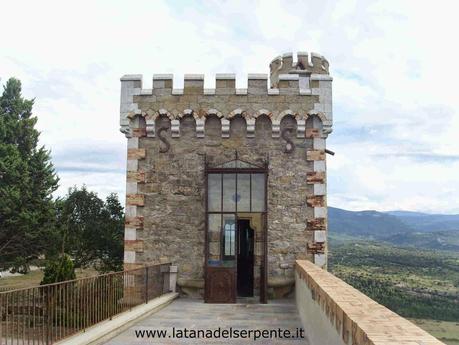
(334, 313)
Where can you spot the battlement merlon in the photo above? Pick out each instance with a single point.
(300, 89)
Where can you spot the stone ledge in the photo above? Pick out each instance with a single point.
(191, 283)
(280, 281)
(131, 77)
(104, 331)
(194, 77)
(357, 318)
(163, 76)
(257, 76)
(225, 76)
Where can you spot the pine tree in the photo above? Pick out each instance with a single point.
(27, 181)
(111, 244)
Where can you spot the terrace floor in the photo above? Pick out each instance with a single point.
(196, 315)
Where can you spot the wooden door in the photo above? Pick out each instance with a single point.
(220, 285)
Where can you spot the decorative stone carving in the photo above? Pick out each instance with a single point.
(163, 139)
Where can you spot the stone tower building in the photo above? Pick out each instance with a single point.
(229, 184)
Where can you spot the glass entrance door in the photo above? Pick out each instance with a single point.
(232, 187)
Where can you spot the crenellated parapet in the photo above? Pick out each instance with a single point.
(304, 67)
(301, 90)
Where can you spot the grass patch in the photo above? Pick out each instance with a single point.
(34, 278)
(446, 331)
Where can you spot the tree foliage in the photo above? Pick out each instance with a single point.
(27, 181)
(91, 230)
(88, 229)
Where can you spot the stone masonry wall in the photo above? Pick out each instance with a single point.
(165, 202)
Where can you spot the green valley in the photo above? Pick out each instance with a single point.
(400, 264)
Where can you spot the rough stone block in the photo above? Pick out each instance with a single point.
(135, 199)
(134, 222)
(162, 81)
(131, 187)
(139, 132)
(320, 189)
(132, 165)
(136, 153)
(320, 236)
(257, 84)
(316, 224)
(320, 260)
(315, 201)
(130, 211)
(313, 177)
(130, 234)
(315, 155)
(129, 257)
(316, 248)
(133, 143)
(136, 176)
(133, 245)
(193, 84)
(132, 266)
(314, 84)
(318, 144)
(320, 212)
(319, 166)
(225, 81)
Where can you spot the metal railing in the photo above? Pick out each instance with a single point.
(48, 313)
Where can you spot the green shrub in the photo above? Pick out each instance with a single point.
(59, 270)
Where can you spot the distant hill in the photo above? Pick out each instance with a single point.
(401, 228)
(428, 222)
(369, 224)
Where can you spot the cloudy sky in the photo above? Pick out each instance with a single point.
(396, 107)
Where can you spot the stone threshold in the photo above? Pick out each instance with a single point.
(105, 330)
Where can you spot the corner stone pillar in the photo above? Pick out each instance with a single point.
(317, 201)
(134, 203)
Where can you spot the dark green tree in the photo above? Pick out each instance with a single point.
(91, 229)
(111, 244)
(27, 181)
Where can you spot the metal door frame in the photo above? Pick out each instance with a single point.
(264, 169)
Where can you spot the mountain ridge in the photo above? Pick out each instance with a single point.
(400, 228)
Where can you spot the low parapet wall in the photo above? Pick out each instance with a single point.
(334, 313)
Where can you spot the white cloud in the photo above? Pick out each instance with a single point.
(394, 89)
